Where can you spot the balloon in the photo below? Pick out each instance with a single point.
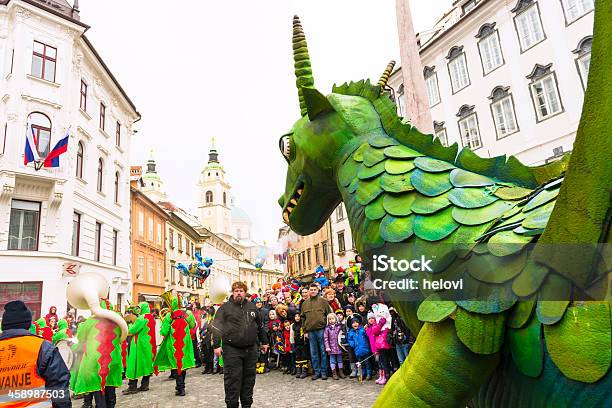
(199, 269)
(220, 288)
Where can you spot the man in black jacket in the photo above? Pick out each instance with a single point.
(238, 325)
(35, 362)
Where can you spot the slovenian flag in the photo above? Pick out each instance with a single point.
(52, 159)
(31, 150)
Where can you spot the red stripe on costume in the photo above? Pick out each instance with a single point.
(151, 325)
(179, 323)
(105, 337)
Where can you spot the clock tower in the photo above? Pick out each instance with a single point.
(214, 206)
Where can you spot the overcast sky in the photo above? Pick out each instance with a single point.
(197, 69)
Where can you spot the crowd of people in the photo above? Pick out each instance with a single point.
(317, 329)
(320, 329)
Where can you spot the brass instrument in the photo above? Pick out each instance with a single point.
(85, 292)
(167, 298)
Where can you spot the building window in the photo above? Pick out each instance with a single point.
(159, 234)
(23, 226)
(76, 233)
(83, 102)
(117, 177)
(209, 197)
(192, 249)
(583, 61)
(457, 68)
(431, 84)
(308, 256)
(150, 270)
(140, 224)
(171, 238)
(400, 102)
(545, 92)
(141, 263)
(44, 59)
(150, 230)
(440, 132)
(528, 24)
(97, 242)
(317, 257)
(490, 48)
(118, 134)
(79, 160)
(574, 9)
(324, 247)
(341, 244)
(502, 108)
(187, 246)
(469, 6)
(180, 243)
(224, 198)
(160, 272)
(172, 273)
(115, 246)
(102, 115)
(340, 212)
(100, 174)
(41, 129)
(468, 127)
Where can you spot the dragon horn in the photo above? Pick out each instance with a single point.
(303, 70)
(384, 78)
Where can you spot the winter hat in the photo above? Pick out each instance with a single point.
(257, 300)
(355, 319)
(347, 307)
(371, 316)
(16, 316)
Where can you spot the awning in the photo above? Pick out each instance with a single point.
(152, 298)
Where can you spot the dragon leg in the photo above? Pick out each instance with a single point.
(439, 371)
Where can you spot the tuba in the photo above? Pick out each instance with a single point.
(167, 298)
(85, 292)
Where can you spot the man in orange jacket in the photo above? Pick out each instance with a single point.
(32, 372)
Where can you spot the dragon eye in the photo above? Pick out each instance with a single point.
(285, 146)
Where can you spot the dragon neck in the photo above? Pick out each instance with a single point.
(356, 216)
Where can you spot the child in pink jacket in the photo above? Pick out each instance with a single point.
(379, 345)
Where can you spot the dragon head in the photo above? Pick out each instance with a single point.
(316, 143)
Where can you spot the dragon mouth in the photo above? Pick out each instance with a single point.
(293, 202)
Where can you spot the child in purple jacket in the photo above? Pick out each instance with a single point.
(332, 347)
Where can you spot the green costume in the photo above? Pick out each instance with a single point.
(176, 350)
(98, 361)
(61, 333)
(143, 346)
(538, 330)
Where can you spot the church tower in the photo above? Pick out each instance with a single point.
(214, 206)
(153, 186)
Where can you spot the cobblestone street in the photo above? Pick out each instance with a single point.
(271, 390)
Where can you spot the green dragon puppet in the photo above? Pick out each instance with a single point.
(537, 333)
(176, 349)
(143, 349)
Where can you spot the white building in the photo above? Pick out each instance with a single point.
(507, 77)
(342, 238)
(77, 214)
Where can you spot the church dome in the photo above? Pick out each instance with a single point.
(238, 214)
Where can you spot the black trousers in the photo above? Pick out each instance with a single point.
(106, 400)
(196, 352)
(180, 379)
(239, 375)
(132, 384)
